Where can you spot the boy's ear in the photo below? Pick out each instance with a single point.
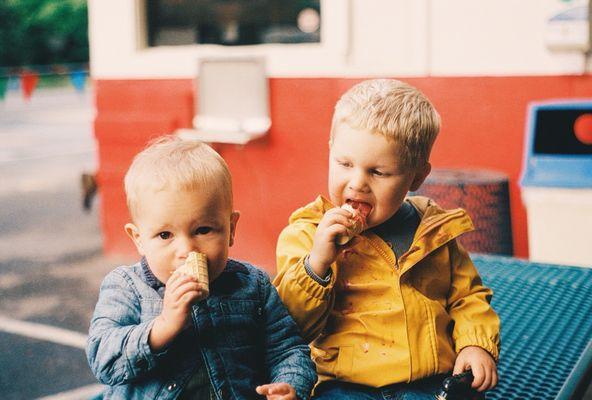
(420, 176)
(134, 234)
(233, 221)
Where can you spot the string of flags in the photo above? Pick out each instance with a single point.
(27, 78)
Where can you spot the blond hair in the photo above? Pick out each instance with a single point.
(394, 109)
(173, 163)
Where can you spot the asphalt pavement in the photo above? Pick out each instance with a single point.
(51, 262)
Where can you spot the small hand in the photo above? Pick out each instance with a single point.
(180, 294)
(277, 391)
(324, 250)
(481, 364)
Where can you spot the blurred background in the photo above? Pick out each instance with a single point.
(84, 85)
(51, 259)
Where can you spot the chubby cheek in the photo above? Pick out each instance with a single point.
(333, 183)
(161, 268)
(385, 208)
(217, 261)
(376, 218)
(335, 198)
(161, 262)
(336, 193)
(215, 268)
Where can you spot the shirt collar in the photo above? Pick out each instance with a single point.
(152, 280)
(404, 216)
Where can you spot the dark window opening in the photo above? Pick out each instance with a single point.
(232, 22)
(555, 132)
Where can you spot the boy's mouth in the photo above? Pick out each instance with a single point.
(362, 207)
(357, 222)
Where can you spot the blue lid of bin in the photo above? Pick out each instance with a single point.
(558, 148)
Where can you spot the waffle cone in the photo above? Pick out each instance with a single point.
(196, 265)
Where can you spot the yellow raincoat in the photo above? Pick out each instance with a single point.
(383, 320)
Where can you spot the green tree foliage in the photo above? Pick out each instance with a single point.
(41, 32)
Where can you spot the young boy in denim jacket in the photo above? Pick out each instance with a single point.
(155, 332)
(400, 305)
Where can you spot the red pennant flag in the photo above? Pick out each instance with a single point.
(28, 83)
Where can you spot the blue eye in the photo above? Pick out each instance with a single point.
(203, 230)
(164, 235)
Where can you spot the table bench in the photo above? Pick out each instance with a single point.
(546, 315)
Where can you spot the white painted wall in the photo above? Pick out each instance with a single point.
(496, 37)
(360, 38)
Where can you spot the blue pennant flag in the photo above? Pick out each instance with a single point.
(14, 82)
(78, 79)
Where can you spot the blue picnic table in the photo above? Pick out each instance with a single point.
(546, 316)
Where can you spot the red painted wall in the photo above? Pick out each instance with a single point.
(483, 127)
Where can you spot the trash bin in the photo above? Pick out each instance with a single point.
(556, 182)
(485, 195)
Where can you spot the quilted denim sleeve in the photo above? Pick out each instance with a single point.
(117, 347)
(287, 356)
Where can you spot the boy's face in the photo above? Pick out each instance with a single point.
(366, 167)
(169, 224)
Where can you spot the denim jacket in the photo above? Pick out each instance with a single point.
(241, 333)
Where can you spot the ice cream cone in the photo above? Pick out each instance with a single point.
(358, 221)
(196, 265)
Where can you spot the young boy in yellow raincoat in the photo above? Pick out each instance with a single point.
(400, 305)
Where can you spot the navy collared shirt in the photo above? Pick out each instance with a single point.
(399, 230)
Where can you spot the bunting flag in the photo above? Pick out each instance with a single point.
(26, 78)
(3, 86)
(78, 79)
(14, 82)
(28, 83)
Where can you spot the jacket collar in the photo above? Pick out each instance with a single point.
(448, 223)
(436, 229)
(437, 226)
(235, 267)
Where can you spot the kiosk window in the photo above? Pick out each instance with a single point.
(232, 22)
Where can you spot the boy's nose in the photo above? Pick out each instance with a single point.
(357, 182)
(185, 246)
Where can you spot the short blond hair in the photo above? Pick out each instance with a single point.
(170, 162)
(395, 110)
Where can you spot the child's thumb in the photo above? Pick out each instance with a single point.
(263, 389)
(268, 389)
(459, 368)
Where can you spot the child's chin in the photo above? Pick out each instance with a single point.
(372, 223)
(213, 275)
